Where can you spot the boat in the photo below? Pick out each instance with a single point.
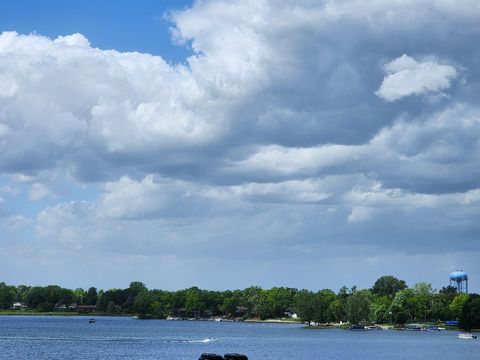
(433, 328)
(467, 336)
(413, 328)
(208, 356)
(91, 321)
(235, 356)
(357, 327)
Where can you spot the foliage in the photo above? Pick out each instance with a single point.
(470, 317)
(7, 296)
(388, 286)
(358, 306)
(388, 301)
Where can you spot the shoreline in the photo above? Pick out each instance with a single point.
(254, 321)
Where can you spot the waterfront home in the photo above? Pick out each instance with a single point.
(85, 308)
(19, 306)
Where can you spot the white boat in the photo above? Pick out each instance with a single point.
(467, 336)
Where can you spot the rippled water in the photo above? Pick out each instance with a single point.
(51, 337)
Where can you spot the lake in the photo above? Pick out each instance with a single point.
(55, 337)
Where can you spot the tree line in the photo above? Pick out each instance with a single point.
(389, 300)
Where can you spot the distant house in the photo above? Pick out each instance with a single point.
(18, 306)
(85, 308)
(291, 314)
(241, 311)
(60, 307)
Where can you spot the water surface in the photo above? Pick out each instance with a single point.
(52, 337)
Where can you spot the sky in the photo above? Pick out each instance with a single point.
(223, 144)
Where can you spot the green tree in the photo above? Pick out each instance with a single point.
(470, 318)
(229, 306)
(79, 294)
(111, 301)
(194, 304)
(91, 296)
(358, 306)
(20, 293)
(281, 299)
(423, 294)
(403, 306)
(7, 296)
(263, 306)
(388, 286)
(379, 309)
(143, 304)
(336, 310)
(322, 300)
(305, 305)
(251, 298)
(457, 304)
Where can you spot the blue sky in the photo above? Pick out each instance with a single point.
(123, 25)
(222, 144)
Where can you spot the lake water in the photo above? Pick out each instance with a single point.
(52, 337)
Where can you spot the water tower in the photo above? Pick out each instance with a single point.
(459, 280)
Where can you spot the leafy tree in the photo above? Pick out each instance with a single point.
(422, 299)
(336, 310)
(7, 295)
(448, 290)
(91, 296)
(79, 294)
(439, 309)
(343, 294)
(281, 300)
(194, 304)
(403, 306)
(322, 300)
(388, 286)
(470, 317)
(251, 297)
(143, 304)
(457, 304)
(263, 306)
(135, 288)
(379, 309)
(305, 305)
(111, 301)
(21, 292)
(229, 306)
(358, 306)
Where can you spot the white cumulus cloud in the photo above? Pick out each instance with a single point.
(406, 76)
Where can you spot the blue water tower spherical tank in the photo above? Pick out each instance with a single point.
(459, 278)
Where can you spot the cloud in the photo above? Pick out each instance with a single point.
(39, 192)
(17, 222)
(287, 161)
(360, 213)
(150, 198)
(406, 76)
(267, 146)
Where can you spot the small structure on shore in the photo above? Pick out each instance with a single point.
(85, 308)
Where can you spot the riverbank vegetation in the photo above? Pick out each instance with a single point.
(388, 301)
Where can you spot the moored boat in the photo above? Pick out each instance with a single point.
(357, 327)
(467, 336)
